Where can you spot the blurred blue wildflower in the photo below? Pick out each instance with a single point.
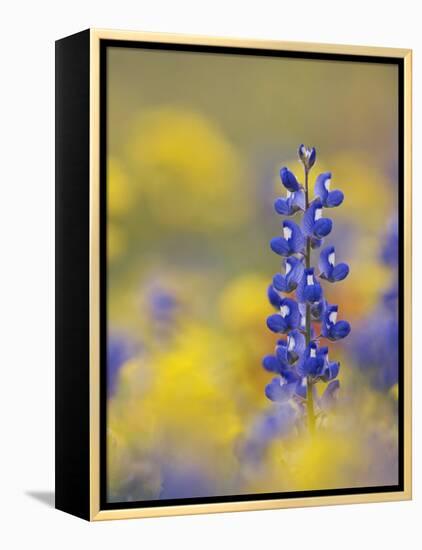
(278, 421)
(119, 350)
(374, 346)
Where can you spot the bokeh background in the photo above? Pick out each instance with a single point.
(195, 144)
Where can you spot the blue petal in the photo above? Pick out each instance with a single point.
(312, 157)
(277, 323)
(301, 389)
(311, 366)
(317, 309)
(340, 272)
(271, 363)
(273, 297)
(296, 241)
(324, 265)
(323, 351)
(320, 189)
(280, 246)
(277, 392)
(298, 200)
(315, 243)
(322, 227)
(312, 293)
(334, 198)
(299, 341)
(331, 371)
(283, 206)
(290, 376)
(296, 271)
(281, 352)
(293, 317)
(289, 180)
(339, 330)
(279, 282)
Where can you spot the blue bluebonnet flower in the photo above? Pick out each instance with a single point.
(328, 268)
(291, 204)
(287, 319)
(291, 242)
(309, 290)
(298, 361)
(295, 199)
(307, 156)
(279, 362)
(293, 274)
(329, 369)
(311, 363)
(328, 198)
(283, 387)
(314, 225)
(295, 347)
(331, 328)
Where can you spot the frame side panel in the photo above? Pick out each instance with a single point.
(72, 275)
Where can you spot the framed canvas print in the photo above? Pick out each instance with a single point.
(233, 277)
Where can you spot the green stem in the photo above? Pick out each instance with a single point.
(309, 393)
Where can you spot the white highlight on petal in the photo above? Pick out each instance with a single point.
(318, 214)
(287, 232)
(288, 268)
(327, 184)
(289, 194)
(309, 279)
(290, 343)
(304, 381)
(283, 381)
(333, 317)
(332, 258)
(313, 352)
(284, 310)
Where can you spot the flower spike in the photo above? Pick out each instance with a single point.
(298, 361)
